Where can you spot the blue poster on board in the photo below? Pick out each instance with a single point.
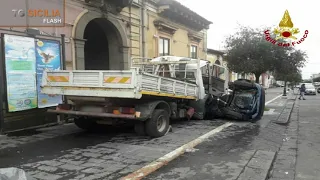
(47, 57)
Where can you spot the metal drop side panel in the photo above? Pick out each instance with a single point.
(121, 84)
(118, 84)
(162, 86)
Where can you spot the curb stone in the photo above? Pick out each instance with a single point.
(285, 115)
(258, 166)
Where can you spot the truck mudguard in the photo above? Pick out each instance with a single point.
(147, 109)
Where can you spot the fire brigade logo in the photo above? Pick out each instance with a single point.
(286, 31)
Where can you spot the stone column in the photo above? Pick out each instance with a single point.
(126, 63)
(80, 58)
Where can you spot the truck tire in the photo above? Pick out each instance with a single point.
(85, 123)
(244, 84)
(158, 124)
(139, 128)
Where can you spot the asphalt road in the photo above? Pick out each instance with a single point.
(226, 155)
(272, 93)
(66, 152)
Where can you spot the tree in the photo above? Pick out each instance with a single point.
(249, 52)
(287, 69)
(316, 79)
(295, 78)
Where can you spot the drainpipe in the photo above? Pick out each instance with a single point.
(143, 26)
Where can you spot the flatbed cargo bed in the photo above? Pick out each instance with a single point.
(132, 83)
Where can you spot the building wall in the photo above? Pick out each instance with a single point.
(233, 76)
(213, 57)
(141, 40)
(179, 41)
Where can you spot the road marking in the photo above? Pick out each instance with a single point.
(273, 99)
(164, 160)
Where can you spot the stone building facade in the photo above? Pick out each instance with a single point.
(106, 34)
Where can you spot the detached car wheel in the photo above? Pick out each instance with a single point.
(158, 124)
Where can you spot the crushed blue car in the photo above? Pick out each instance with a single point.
(245, 102)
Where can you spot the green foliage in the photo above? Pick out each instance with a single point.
(288, 68)
(316, 79)
(249, 52)
(295, 78)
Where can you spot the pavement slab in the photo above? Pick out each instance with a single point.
(308, 143)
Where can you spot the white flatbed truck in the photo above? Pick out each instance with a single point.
(150, 94)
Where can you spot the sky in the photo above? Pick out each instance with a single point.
(227, 14)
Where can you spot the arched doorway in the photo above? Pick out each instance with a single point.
(100, 43)
(96, 47)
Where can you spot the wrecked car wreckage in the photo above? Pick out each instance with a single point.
(245, 102)
(153, 92)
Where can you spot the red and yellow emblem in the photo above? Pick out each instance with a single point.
(286, 29)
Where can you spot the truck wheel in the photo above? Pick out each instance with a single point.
(85, 123)
(139, 128)
(158, 124)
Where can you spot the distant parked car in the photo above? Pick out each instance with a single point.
(318, 90)
(310, 90)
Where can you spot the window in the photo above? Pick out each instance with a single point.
(164, 46)
(194, 52)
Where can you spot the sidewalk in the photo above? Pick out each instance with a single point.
(299, 156)
(308, 161)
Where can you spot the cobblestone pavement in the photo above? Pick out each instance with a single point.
(66, 152)
(83, 155)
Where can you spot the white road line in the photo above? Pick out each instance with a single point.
(155, 165)
(273, 99)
